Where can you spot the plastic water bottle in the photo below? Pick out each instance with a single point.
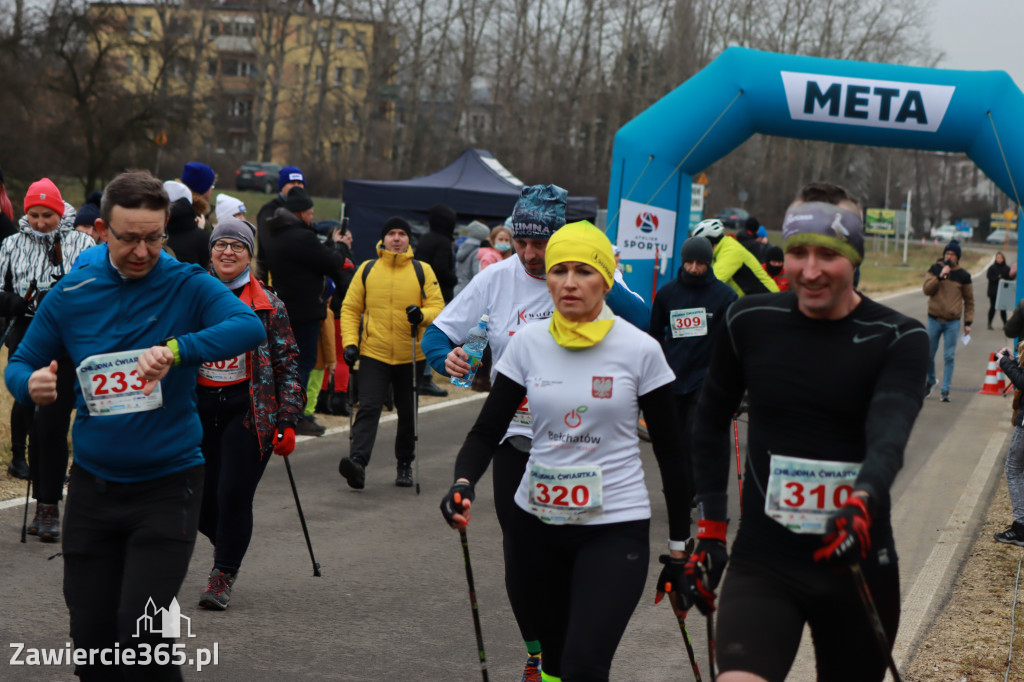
(474, 346)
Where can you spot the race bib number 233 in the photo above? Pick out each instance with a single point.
(111, 385)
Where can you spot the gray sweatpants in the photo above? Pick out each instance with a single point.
(1015, 473)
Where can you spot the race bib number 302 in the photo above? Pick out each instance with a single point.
(111, 385)
(688, 322)
(227, 371)
(803, 493)
(560, 495)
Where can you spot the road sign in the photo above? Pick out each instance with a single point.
(161, 138)
(881, 221)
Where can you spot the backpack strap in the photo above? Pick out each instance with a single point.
(416, 265)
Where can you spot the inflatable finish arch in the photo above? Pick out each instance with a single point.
(745, 91)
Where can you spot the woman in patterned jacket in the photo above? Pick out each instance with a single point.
(32, 260)
(249, 406)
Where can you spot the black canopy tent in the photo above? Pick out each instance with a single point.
(476, 185)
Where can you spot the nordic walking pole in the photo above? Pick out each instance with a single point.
(24, 519)
(415, 413)
(302, 518)
(472, 597)
(711, 645)
(686, 635)
(28, 297)
(876, 621)
(739, 471)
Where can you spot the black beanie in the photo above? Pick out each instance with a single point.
(752, 224)
(774, 253)
(396, 223)
(698, 249)
(953, 246)
(442, 219)
(298, 201)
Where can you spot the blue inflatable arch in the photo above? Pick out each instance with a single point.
(745, 91)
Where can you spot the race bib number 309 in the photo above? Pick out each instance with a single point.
(688, 322)
(803, 493)
(111, 385)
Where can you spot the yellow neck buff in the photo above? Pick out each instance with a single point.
(580, 335)
(583, 243)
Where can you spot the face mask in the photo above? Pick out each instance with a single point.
(503, 246)
(772, 270)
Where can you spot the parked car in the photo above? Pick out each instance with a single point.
(258, 176)
(998, 237)
(732, 217)
(944, 232)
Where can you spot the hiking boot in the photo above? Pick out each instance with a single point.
(18, 468)
(945, 396)
(307, 426)
(531, 671)
(928, 386)
(404, 477)
(49, 522)
(1013, 535)
(354, 472)
(218, 590)
(428, 387)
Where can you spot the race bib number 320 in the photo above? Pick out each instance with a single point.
(803, 493)
(560, 495)
(111, 385)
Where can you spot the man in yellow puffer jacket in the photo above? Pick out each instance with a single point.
(389, 304)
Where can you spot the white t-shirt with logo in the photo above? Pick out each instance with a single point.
(511, 299)
(585, 409)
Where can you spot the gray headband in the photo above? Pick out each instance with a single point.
(821, 224)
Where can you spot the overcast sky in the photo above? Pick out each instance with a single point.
(980, 34)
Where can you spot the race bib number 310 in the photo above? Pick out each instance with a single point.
(111, 385)
(803, 493)
(560, 495)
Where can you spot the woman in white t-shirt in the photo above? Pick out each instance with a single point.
(580, 535)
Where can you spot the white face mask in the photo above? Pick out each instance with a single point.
(503, 246)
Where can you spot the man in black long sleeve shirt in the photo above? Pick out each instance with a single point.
(835, 382)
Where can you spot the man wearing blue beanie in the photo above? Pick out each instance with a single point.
(198, 177)
(287, 178)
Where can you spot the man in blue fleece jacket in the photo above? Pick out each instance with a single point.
(137, 327)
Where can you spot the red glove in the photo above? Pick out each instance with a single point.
(848, 532)
(704, 567)
(284, 441)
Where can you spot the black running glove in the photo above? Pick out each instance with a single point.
(451, 503)
(414, 314)
(705, 566)
(847, 534)
(350, 355)
(672, 581)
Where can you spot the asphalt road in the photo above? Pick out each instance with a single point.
(392, 603)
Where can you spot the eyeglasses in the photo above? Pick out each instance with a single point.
(236, 247)
(153, 241)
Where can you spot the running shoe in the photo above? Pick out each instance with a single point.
(531, 672)
(18, 468)
(945, 396)
(307, 426)
(33, 527)
(1013, 535)
(404, 477)
(218, 590)
(49, 523)
(353, 471)
(928, 386)
(430, 388)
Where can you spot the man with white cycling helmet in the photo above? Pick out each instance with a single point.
(732, 262)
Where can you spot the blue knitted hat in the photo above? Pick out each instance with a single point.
(539, 211)
(198, 177)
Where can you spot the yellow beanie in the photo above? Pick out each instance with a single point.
(581, 242)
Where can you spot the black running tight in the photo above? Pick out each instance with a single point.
(584, 583)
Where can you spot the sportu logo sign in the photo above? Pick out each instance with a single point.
(865, 102)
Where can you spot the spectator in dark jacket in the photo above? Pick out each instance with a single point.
(997, 271)
(748, 237)
(435, 248)
(189, 243)
(287, 178)
(299, 267)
